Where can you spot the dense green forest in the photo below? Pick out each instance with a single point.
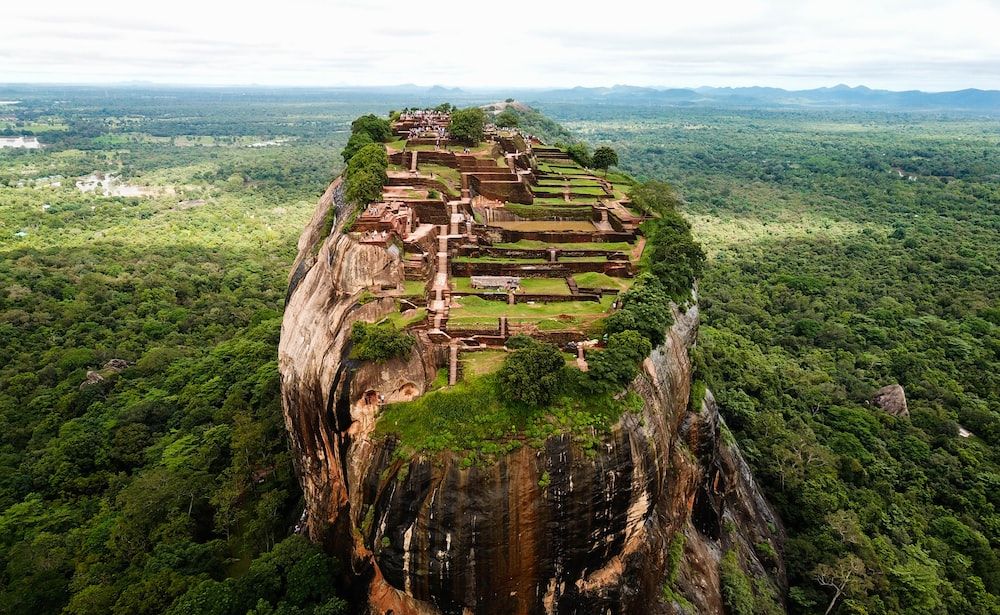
(165, 485)
(143, 489)
(848, 251)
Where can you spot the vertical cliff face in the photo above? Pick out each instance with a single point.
(558, 529)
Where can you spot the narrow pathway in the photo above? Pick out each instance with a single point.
(441, 288)
(453, 364)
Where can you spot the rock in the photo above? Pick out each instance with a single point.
(116, 364)
(557, 529)
(892, 399)
(92, 378)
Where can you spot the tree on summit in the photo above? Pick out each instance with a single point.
(466, 125)
(533, 374)
(605, 157)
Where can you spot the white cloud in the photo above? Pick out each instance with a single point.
(791, 43)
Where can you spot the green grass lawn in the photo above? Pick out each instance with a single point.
(497, 259)
(464, 285)
(549, 200)
(588, 191)
(550, 226)
(481, 362)
(440, 170)
(598, 258)
(475, 418)
(556, 316)
(532, 244)
(594, 279)
(413, 288)
(402, 320)
(544, 286)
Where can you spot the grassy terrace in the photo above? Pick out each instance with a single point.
(554, 170)
(414, 288)
(530, 286)
(531, 244)
(477, 312)
(560, 201)
(573, 182)
(544, 286)
(473, 417)
(589, 191)
(497, 259)
(401, 320)
(593, 279)
(481, 362)
(536, 225)
(557, 210)
(597, 258)
(452, 178)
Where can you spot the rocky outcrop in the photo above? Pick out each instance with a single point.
(557, 529)
(892, 399)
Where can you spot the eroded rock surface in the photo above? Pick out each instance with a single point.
(892, 399)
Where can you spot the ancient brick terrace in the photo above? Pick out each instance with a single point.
(510, 236)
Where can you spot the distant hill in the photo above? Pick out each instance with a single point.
(837, 96)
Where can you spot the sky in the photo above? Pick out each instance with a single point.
(931, 45)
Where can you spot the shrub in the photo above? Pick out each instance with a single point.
(645, 308)
(736, 589)
(520, 340)
(617, 365)
(379, 342)
(532, 375)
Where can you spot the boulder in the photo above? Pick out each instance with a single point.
(892, 399)
(116, 364)
(92, 378)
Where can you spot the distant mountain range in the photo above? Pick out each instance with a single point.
(838, 96)
(860, 97)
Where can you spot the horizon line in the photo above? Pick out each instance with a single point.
(139, 83)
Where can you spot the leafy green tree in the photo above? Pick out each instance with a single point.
(644, 308)
(654, 197)
(377, 128)
(506, 119)
(580, 153)
(366, 174)
(466, 125)
(356, 142)
(617, 365)
(532, 375)
(605, 158)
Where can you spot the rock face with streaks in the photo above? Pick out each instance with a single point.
(892, 399)
(556, 529)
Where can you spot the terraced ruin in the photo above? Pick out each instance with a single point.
(486, 375)
(508, 237)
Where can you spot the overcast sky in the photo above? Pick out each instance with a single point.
(894, 44)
